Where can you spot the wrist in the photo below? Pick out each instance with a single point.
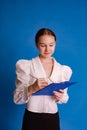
(30, 90)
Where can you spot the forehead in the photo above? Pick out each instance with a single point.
(46, 39)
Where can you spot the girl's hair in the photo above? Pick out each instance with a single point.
(43, 31)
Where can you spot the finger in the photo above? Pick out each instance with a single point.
(43, 82)
(57, 96)
(62, 91)
(55, 92)
(42, 79)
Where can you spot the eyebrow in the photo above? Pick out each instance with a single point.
(49, 43)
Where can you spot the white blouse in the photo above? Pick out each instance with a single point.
(40, 104)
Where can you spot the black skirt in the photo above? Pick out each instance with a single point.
(40, 121)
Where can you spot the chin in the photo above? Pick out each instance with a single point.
(47, 56)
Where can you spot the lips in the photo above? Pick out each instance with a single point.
(47, 53)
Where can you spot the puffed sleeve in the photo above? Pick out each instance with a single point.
(66, 75)
(22, 81)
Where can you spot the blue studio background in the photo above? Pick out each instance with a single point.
(19, 22)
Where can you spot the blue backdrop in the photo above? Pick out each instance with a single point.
(19, 21)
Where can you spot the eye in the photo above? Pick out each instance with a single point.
(42, 45)
(51, 45)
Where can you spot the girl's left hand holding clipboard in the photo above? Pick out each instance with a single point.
(58, 95)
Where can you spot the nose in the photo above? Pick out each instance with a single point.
(47, 48)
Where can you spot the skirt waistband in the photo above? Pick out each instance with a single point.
(41, 115)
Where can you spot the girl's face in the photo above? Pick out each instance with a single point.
(46, 45)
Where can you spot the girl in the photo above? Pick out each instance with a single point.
(41, 112)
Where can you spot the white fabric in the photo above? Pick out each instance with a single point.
(40, 104)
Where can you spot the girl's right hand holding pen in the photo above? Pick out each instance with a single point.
(38, 85)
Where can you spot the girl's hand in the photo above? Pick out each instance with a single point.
(39, 84)
(58, 95)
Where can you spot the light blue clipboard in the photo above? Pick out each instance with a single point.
(53, 87)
